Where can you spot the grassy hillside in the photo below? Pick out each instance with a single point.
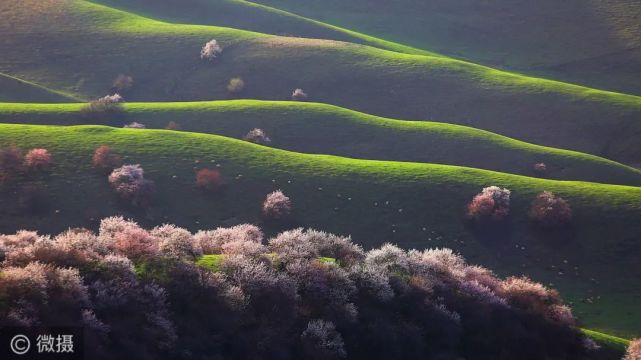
(13, 89)
(320, 128)
(85, 46)
(610, 341)
(241, 14)
(414, 205)
(596, 43)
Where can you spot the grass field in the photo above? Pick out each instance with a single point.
(414, 205)
(325, 129)
(440, 128)
(163, 58)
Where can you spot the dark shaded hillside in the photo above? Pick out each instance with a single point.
(16, 90)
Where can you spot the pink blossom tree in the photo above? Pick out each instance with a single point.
(634, 350)
(277, 206)
(211, 50)
(299, 95)
(258, 136)
(491, 203)
(38, 159)
(130, 183)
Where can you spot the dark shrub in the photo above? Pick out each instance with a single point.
(209, 180)
(10, 162)
(123, 83)
(236, 85)
(322, 341)
(550, 211)
(540, 168)
(172, 125)
(105, 159)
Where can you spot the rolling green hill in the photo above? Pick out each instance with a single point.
(85, 46)
(414, 205)
(51, 48)
(320, 128)
(241, 14)
(591, 42)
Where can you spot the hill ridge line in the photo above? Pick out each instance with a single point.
(425, 53)
(323, 157)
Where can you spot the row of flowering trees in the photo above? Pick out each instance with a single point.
(13, 162)
(141, 293)
(129, 182)
(493, 203)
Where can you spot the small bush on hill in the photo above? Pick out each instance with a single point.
(634, 350)
(277, 206)
(105, 109)
(105, 159)
(236, 85)
(11, 162)
(258, 136)
(209, 180)
(111, 99)
(491, 203)
(211, 50)
(134, 125)
(549, 211)
(130, 183)
(38, 159)
(540, 168)
(123, 82)
(276, 302)
(172, 125)
(299, 95)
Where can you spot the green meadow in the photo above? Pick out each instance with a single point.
(413, 108)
